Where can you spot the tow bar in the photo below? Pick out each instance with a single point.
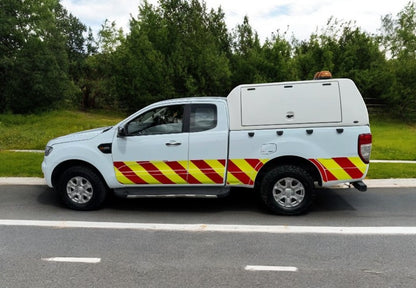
(360, 186)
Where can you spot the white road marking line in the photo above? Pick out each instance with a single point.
(271, 268)
(394, 161)
(73, 260)
(274, 229)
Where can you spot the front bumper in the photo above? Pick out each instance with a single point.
(47, 173)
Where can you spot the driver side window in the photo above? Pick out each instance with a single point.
(162, 120)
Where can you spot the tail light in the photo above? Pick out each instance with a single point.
(364, 147)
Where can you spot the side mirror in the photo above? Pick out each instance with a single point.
(121, 131)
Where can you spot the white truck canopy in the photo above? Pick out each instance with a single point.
(316, 103)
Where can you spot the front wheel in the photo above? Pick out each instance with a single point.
(287, 190)
(80, 188)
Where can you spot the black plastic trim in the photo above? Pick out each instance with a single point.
(105, 148)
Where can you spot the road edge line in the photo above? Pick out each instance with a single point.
(224, 228)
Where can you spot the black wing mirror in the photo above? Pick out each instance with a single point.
(121, 131)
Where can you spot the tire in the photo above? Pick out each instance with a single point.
(81, 188)
(287, 190)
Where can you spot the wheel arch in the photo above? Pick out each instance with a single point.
(289, 160)
(57, 172)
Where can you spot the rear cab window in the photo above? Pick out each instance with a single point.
(203, 117)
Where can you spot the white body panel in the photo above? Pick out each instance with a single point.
(318, 103)
(279, 104)
(323, 143)
(67, 149)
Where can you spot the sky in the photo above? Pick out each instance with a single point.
(299, 18)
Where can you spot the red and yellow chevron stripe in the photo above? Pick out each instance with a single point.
(240, 171)
(340, 168)
(151, 172)
(243, 171)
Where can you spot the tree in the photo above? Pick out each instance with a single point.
(247, 57)
(398, 35)
(97, 76)
(197, 63)
(174, 50)
(34, 59)
(398, 38)
(76, 46)
(347, 52)
(34, 63)
(360, 59)
(277, 59)
(313, 55)
(109, 37)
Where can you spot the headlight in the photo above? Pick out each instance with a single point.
(48, 150)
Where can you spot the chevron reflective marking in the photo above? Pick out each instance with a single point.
(125, 175)
(235, 175)
(349, 167)
(332, 166)
(218, 166)
(144, 171)
(160, 171)
(180, 169)
(243, 171)
(211, 171)
(340, 168)
(199, 173)
(321, 170)
(205, 173)
(176, 177)
(357, 162)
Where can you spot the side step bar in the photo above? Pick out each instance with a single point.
(163, 192)
(360, 186)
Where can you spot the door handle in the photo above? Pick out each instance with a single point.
(173, 143)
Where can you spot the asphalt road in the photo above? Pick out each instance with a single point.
(119, 256)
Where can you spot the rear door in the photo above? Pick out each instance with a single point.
(208, 143)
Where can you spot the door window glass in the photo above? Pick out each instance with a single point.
(203, 117)
(162, 120)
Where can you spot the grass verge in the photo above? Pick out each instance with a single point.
(34, 131)
(20, 164)
(391, 170)
(392, 139)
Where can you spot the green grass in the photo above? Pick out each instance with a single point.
(20, 164)
(392, 140)
(34, 131)
(391, 170)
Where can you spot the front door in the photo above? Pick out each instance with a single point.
(154, 149)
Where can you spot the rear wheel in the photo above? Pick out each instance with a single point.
(81, 188)
(287, 190)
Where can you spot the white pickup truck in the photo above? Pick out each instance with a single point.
(282, 139)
